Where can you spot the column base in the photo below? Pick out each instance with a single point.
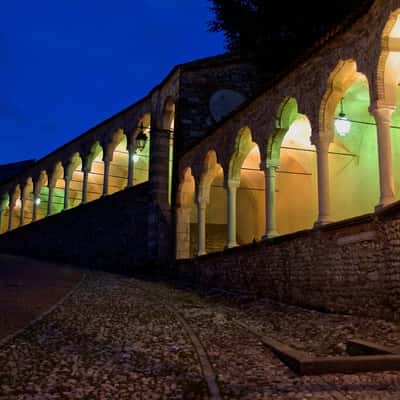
(270, 235)
(201, 253)
(231, 246)
(384, 203)
(322, 222)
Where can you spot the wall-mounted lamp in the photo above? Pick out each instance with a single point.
(135, 158)
(141, 139)
(37, 201)
(342, 123)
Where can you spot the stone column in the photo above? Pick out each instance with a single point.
(1, 220)
(106, 174)
(324, 201)
(270, 200)
(383, 118)
(131, 166)
(23, 201)
(67, 180)
(11, 207)
(50, 200)
(201, 227)
(232, 187)
(183, 232)
(85, 185)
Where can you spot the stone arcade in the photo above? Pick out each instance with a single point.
(291, 207)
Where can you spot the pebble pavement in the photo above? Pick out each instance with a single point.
(122, 338)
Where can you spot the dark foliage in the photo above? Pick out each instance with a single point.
(274, 33)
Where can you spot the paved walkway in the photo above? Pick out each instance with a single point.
(120, 338)
(28, 288)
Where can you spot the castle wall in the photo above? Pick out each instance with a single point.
(110, 233)
(348, 267)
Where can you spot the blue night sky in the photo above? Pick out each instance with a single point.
(67, 65)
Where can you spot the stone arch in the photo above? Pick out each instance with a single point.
(93, 166)
(40, 195)
(27, 198)
(389, 61)
(185, 206)
(14, 207)
(73, 177)
(287, 113)
(116, 160)
(339, 81)
(211, 206)
(56, 188)
(4, 202)
(245, 184)
(243, 145)
(141, 159)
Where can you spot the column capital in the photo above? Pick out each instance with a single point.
(232, 183)
(271, 164)
(382, 113)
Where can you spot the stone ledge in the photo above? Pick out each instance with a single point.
(301, 363)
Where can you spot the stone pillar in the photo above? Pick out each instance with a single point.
(50, 200)
(131, 166)
(183, 233)
(232, 187)
(106, 175)
(1, 219)
(201, 227)
(11, 207)
(383, 118)
(85, 184)
(270, 200)
(67, 180)
(324, 201)
(23, 201)
(160, 239)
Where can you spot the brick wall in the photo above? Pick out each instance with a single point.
(109, 233)
(347, 267)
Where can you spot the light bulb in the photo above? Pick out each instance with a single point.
(37, 201)
(342, 125)
(135, 158)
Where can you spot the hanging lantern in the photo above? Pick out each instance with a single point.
(342, 123)
(141, 139)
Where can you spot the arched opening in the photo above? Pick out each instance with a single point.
(141, 158)
(59, 189)
(389, 89)
(212, 196)
(296, 179)
(73, 172)
(186, 217)
(353, 153)
(353, 156)
(15, 198)
(244, 171)
(169, 126)
(118, 156)
(28, 195)
(96, 174)
(42, 198)
(4, 210)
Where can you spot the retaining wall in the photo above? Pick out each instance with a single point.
(347, 267)
(110, 233)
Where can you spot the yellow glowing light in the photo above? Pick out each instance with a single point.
(18, 203)
(342, 125)
(135, 158)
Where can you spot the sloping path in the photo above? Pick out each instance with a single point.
(120, 338)
(29, 288)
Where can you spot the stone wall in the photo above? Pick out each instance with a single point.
(349, 267)
(109, 233)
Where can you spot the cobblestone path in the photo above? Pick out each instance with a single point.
(121, 338)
